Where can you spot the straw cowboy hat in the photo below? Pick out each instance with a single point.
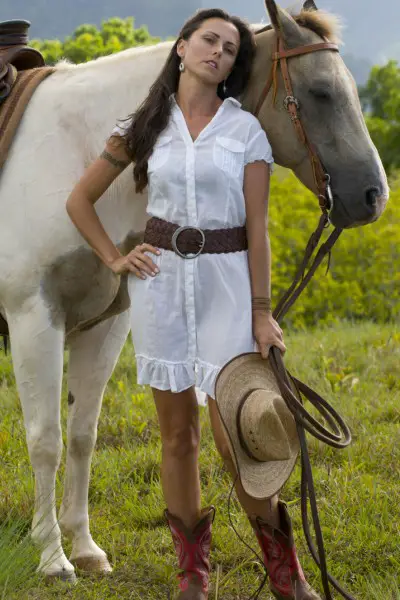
(261, 430)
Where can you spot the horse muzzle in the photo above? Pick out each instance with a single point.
(347, 212)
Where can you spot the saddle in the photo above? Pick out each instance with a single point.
(15, 55)
(22, 69)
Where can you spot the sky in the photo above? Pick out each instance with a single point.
(371, 28)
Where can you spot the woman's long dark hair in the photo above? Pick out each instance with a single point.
(152, 116)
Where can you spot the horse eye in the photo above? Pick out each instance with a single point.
(320, 95)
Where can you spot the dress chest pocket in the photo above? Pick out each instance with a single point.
(161, 152)
(229, 155)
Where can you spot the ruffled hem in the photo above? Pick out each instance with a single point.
(164, 375)
(178, 376)
(206, 375)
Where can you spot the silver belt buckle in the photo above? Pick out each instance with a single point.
(177, 234)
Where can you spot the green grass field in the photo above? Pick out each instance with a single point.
(354, 366)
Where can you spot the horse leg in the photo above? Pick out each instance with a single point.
(37, 354)
(93, 355)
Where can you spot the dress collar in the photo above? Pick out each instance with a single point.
(180, 120)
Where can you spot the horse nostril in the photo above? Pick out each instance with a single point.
(371, 196)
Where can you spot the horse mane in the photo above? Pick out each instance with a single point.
(324, 24)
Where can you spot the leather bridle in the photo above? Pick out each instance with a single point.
(292, 105)
(321, 177)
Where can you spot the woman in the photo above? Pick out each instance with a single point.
(206, 163)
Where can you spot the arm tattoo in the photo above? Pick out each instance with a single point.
(120, 164)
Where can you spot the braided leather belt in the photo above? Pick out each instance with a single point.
(189, 242)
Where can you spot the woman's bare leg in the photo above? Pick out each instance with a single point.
(178, 415)
(266, 509)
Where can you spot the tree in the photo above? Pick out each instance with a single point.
(88, 42)
(52, 50)
(380, 99)
(84, 47)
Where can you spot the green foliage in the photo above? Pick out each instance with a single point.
(363, 281)
(381, 101)
(381, 95)
(88, 42)
(18, 556)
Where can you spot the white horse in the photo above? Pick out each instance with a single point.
(54, 290)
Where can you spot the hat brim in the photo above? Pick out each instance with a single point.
(237, 378)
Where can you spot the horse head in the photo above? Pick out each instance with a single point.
(326, 106)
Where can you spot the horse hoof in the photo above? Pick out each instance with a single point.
(92, 564)
(63, 575)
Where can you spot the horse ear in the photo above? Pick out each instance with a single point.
(273, 12)
(284, 24)
(310, 5)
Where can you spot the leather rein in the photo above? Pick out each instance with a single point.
(292, 105)
(338, 435)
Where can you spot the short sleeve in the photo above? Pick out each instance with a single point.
(121, 127)
(258, 146)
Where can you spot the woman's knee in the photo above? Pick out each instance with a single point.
(181, 441)
(179, 422)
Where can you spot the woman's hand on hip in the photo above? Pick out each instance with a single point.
(137, 262)
(267, 333)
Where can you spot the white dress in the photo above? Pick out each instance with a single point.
(195, 315)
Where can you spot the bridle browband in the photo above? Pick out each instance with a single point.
(292, 105)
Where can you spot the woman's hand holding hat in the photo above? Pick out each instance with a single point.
(267, 332)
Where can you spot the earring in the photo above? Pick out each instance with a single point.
(181, 66)
(224, 87)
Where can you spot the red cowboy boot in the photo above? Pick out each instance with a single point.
(193, 548)
(287, 581)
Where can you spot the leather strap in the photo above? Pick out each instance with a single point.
(292, 107)
(302, 278)
(340, 437)
(159, 233)
(280, 56)
(290, 100)
(264, 93)
(305, 50)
